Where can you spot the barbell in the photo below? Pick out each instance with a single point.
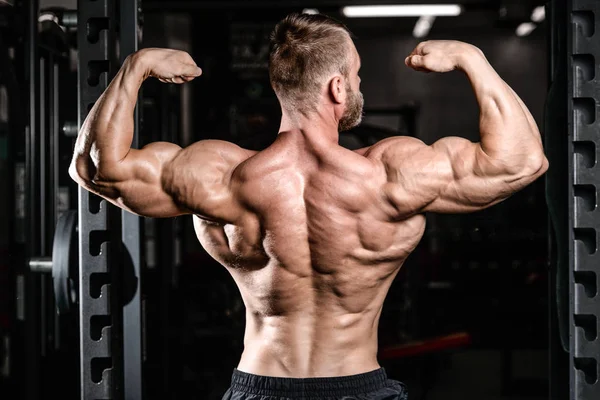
(64, 263)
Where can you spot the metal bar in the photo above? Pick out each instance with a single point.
(55, 138)
(55, 178)
(6, 70)
(131, 233)
(555, 126)
(41, 264)
(32, 235)
(43, 204)
(14, 73)
(99, 345)
(43, 162)
(583, 53)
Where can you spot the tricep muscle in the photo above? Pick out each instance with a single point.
(164, 180)
(453, 175)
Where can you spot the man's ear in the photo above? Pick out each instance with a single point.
(337, 90)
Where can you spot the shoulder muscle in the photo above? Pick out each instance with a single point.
(199, 178)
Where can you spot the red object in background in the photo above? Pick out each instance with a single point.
(425, 346)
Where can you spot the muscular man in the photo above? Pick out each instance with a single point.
(312, 233)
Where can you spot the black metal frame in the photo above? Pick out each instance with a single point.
(110, 246)
(131, 234)
(99, 321)
(24, 334)
(583, 50)
(555, 128)
(33, 231)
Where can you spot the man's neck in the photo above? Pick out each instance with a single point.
(316, 128)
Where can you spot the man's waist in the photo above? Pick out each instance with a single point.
(299, 360)
(332, 386)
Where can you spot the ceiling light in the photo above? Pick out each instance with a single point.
(538, 14)
(423, 26)
(311, 11)
(525, 28)
(405, 10)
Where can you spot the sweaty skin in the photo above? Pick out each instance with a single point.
(312, 233)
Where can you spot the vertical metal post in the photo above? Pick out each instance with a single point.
(99, 228)
(42, 205)
(33, 233)
(131, 232)
(583, 44)
(557, 198)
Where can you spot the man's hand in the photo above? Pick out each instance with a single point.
(440, 55)
(167, 65)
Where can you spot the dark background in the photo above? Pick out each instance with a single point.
(482, 276)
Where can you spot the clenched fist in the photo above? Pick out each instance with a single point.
(168, 66)
(440, 55)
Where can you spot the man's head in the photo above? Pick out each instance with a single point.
(313, 58)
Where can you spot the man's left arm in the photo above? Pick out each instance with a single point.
(140, 181)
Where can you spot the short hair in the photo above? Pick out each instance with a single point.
(305, 50)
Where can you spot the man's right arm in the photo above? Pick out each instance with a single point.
(455, 175)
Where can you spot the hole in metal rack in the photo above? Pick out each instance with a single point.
(94, 27)
(95, 70)
(97, 323)
(94, 202)
(584, 109)
(99, 365)
(587, 279)
(589, 368)
(585, 154)
(588, 324)
(585, 197)
(587, 236)
(585, 67)
(98, 280)
(584, 22)
(96, 240)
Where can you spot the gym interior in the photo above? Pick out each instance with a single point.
(97, 303)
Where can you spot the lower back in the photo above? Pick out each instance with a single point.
(310, 343)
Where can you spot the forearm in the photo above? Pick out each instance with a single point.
(106, 134)
(509, 134)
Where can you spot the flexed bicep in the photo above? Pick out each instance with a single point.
(135, 183)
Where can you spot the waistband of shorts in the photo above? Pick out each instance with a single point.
(307, 387)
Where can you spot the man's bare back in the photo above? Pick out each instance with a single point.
(312, 233)
(314, 253)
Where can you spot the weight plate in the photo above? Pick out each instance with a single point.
(65, 258)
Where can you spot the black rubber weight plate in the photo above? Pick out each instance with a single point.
(64, 261)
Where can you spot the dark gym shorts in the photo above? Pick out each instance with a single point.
(369, 386)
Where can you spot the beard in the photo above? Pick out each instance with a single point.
(354, 110)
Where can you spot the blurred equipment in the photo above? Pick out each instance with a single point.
(35, 71)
